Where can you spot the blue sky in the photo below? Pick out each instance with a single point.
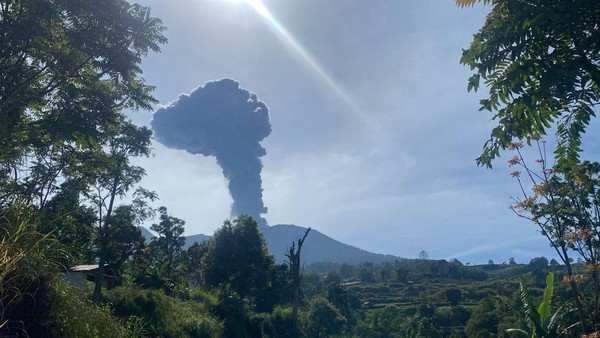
(376, 151)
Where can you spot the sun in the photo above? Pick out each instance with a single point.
(258, 6)
(309, 60)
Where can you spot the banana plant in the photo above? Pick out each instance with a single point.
(541, 322)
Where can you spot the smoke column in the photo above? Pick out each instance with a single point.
(221, 119)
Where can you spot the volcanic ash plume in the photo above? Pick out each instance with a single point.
(222, 120)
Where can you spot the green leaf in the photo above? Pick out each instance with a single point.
(531, 314)
(544, 308)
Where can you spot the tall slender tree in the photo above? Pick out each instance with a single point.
(113, 175)
(167, 246)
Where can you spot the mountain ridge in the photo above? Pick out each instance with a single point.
(318, 247)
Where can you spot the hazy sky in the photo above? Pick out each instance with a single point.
(373, 137)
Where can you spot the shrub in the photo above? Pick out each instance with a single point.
(74, 315)
(166, 316)
(322, 319)
(280, 323)
(203, 296)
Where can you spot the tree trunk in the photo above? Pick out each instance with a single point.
(98, 280)
(104, 224)
(574, 290)
(294, 257)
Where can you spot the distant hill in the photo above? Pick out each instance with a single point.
(147, 234)
(189, 240)
(317, 247)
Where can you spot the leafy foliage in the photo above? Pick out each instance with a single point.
(242, 246)
(541, 321)
(468, 3)
(191, 262)
(165, 251)
(541, 63)
(71, 312)
(323, 319)
(167, 245)
(125, 238)
(28, 260)
(163, 315)
(111, 175)
(68, 69)
(564, 203)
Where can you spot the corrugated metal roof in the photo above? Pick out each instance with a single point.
(89, 267)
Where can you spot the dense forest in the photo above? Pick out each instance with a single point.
(70, 69)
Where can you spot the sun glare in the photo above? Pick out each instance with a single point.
(260, 8)
(308, 59)
(257, 5)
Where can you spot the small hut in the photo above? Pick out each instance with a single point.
(79, 274)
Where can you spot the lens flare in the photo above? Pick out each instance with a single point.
(260, 8)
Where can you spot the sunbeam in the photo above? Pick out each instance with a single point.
(260, 8)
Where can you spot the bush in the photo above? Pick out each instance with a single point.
(322, 319)
(74, 315)
(203, 296)
(165, 316)
(280, 323)
(36, 302)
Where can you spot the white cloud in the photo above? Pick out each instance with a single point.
(191, 187)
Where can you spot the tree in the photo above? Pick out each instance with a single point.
(423, 255)
(564, 204)
(167, 245)
(67, 69)
(296, 276)
(402, 274)
(279, 290)
(541, 63)
(238, 259)
(112, 175)
(340, 297)
(426, 328)
(324, 319)
(192, 260)
(484, 320)
(539, 262)
(454, 296)
(72, 224)
(124, 238)
(366, 273)
(347, 271)
(426, 310)
(165, 252)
